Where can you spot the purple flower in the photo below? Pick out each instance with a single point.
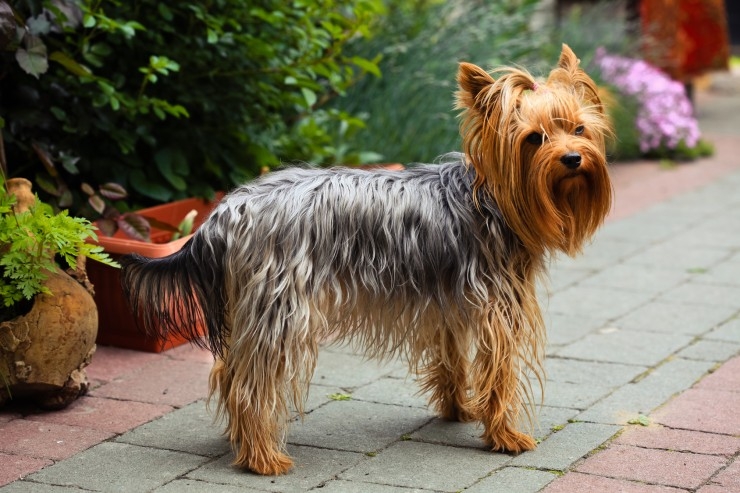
(665, 116)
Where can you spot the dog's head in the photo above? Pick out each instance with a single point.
(538, 148)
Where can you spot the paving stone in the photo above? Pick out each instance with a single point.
(643, 396)
(190, 352)
(667, 255)
(653, 279)
(15, 467)
(110, 415)
(47, 440)
(586, 373)
(348, 371)
(119, 467)
(312, 467)
(602, 252)
(392, 391)
(729, 331)
(339, 486)
(357, 426)
(190, 429)
(452, 433)
(679, 469)
(194, 486)
(726, 481)
(574, 482)
(166, 381)
(563, 448)
(551, 418)
(513, 479)
(8, 415)
(717, 351)
(574, 395)
(726, 377)
(31, 487)
(109, 363)
(724, 273)
(690, 411)
(675, 318)
(434, 467)
(625, 346)
(607, 302)
(642, 229)
(661, 437)
(560, 278)
(563, 328)
(704, 294)
(318, 395)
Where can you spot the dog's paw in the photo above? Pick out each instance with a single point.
(510, 441)
(274, 465)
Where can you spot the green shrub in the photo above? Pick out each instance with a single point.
(409, 112)
(179, 98)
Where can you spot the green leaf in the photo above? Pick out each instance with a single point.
(641, 420)
(340, 397)
(89, 21)
(148, 188)
(309, 96)
(33, 58)
(70, 64)
(367, 65)
(169, 161)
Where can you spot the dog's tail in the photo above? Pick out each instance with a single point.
(180, 294)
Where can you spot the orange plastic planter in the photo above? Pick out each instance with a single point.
(116, 324)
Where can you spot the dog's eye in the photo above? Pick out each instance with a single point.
(534, 138)
(579, 130)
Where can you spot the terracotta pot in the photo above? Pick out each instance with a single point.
(43, 353)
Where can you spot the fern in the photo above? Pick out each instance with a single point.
(31, 242)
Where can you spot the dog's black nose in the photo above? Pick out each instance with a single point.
(572, 160)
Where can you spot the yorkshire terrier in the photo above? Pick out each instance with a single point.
(436, 264)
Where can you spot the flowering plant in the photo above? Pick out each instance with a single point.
(665, 119)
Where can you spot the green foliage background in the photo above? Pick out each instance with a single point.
(174, 99)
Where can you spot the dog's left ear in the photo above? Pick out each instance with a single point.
(569, 72)
(473, 83)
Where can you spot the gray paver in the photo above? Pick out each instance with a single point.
(729, 331)
(426, 465)
(312, 467)
(194, 486)
(564, 328)
(566, 446)
(345, 370)
(704, 294)
(705, 350)
(648, 393)
(136, 468)
(675, 318)
(590, 372)
(607, 302)
(400, 392)
(190, 429)
(357, 426)
(625, 346)
(678, 259)
(31, 487)
(513, 479)
(340, 486)
(631, 276)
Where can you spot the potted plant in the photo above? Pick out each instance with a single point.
(48, 318)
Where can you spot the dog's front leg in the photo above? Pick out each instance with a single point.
(496, 389)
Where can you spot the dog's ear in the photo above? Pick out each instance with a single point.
(569, 73)
(472, 81)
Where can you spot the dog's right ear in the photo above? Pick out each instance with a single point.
(473, 82)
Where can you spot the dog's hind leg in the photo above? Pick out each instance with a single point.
(251, 396)
(445, 375)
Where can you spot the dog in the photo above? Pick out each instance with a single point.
(436, 264)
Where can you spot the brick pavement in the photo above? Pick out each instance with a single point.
(644, 329)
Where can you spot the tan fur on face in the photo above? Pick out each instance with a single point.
(548, 207)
